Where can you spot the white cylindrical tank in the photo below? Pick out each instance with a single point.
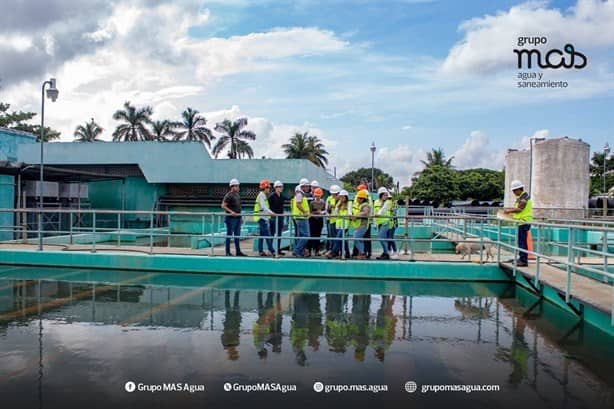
(517, 167)
(560, 178)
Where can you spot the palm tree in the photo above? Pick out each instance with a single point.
(133, 128)
(305, 146)
(437, 157)
(193, 128)
(163, 130)
(235, 137)
(88, 132)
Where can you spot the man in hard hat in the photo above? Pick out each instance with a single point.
(300, 215)
(312, 188)
(262, 214)
(360, 216)
(276, 225)
(316, 221)
(331, 221)
(383, 217)
(523, 213)
(232, 206)
(342, 209)
(367, 234)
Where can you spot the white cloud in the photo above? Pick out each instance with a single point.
(525, 141)
(489, 40)
(407, 128)
(476, 153)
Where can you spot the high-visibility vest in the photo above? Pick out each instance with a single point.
(343, 222)
(331, 202)
(257, 209)
(296, 212)
(526, 214)
(355, 210)
(384, 218)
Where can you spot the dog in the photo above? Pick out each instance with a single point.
(472, 245)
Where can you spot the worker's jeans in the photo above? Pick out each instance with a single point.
(302, 230)
(340, 234)
(332, 233)
(382, 233)
(523, 232)
(359, 233)
(392, 245)
(233, 228)
(276, 227)
(265, 232)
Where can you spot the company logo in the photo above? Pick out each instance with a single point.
(567, 58)
(411, 386)
(130, 386)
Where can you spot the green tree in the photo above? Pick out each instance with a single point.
(435, 182)
(480, 184)
(436, 157)
(235, 137)
(19, 121)
(596, 170)
(193, 128)
(88, 132)
(356, 177)
(134, 123)
(305, 146)
(163, 130)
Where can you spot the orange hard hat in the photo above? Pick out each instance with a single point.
(264, 184)
(318, 192)
(362, 186)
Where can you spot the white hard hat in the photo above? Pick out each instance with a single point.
(297, 188)
(344, 193)
(278, 184)
(303, 182)
(335, 189)
(315, 183)
(516, 184)
(382, 190)
(234, 182)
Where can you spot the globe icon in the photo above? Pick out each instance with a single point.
(410, 386)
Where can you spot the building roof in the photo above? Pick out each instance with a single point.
(175, 162)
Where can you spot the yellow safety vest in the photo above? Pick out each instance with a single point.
(343, 222)
(384, 218)
(257, 208)
(296, 212)
(355, 210)
(331, 204)
(526, 214)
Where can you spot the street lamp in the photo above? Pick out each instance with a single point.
(52, 94)
(606, 151)
(373, 148)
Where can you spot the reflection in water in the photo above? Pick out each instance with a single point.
(482, 335)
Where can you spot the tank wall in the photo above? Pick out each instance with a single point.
(517, 166)
(560, 178)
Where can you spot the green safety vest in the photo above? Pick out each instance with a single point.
(296, 212)
(257, 208)
(354, 224)
(526, 215)
(330, 200)
(343, 222)
(384, 218)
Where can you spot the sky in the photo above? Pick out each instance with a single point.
(409, 75)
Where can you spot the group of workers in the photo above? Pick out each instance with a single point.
(343, 218)
(311, 213)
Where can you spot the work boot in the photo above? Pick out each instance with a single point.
(384, 256)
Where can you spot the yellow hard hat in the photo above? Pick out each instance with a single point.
(362, 194)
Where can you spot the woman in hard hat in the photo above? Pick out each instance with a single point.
(341, 210)
(316, 222)
(232, 206)
(262, 214)
(383, 214)
(331, 228)
(361, 218)
(277, 201)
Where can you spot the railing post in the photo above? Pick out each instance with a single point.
(570, 258)
(211, 243)
(119, 240)
(94, 232)
(70, 228)
(538, 250)
(516, 252)
(498, 241)
(274, 234)
(168, 234)
(481, 242)
(343, 255)
(151, 224)
(604, 250)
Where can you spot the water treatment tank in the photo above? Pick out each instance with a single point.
(517, 167)
(560, 178)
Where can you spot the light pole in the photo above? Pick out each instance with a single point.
(52, 94)
(373, 148)
(606, 152)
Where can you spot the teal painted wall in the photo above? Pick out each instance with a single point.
(7, 195)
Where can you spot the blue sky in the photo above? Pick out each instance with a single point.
(409, 75)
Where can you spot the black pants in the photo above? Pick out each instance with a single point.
(523, 233)
(315, 231)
